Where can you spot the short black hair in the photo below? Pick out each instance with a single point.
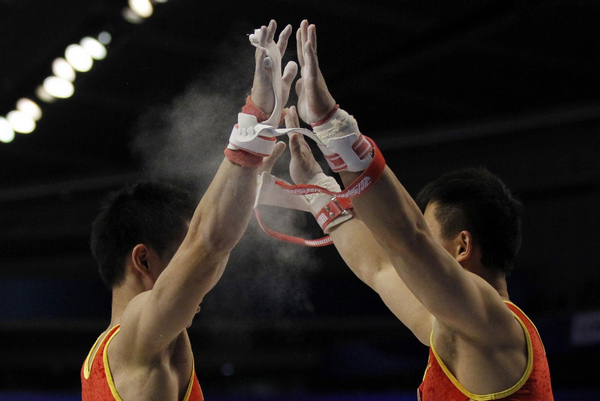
(155, 214)
(476, 200)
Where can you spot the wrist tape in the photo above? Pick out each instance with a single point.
(328, 210)
(343, 146)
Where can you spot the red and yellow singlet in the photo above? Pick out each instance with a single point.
(97, 382)
(440, 384)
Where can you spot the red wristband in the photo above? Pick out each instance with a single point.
(243, 158)
(251, 108)
(327, 117)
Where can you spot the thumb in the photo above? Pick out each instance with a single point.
(295, 144)
(270, 160)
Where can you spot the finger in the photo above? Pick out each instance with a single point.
(295, 144)
(271, 30)
(299, 48)
(269, 161)
(291, 119)
(294, 116)
(260, 56)
(310, 58)
(284, 36)
(312, 35)
(263, 36)
(289, 73)
(299, 84)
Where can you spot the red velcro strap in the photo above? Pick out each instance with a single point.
(324, 241)
(358, 187)
(331, 211)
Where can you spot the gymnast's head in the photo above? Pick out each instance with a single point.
(138, 230)
(477, 205)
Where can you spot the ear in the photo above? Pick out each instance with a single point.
(464, 246)
(140, 263)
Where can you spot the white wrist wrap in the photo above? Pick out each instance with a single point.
(248, 135)
(343, 145)
(328, 211)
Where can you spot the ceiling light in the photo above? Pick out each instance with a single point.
(43, 95)
(143, 8)
(79, 58)
(131, 16)
(58, 87)
(61, 68)
(30, 108)
(7, 134)
(105, 38)
(93, 47)
(20, 122)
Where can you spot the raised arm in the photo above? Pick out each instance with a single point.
(155, 318)
(359, 249)
(454, 296)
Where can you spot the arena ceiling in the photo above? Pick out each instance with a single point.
(406, 69)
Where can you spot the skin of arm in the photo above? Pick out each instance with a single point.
(434, 276)
(359, 249)
(154, 319)
(473, 330)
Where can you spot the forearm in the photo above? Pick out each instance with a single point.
(388, 211)
(365, 257)
(225, 209)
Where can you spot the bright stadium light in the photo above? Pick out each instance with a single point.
(79, 58)
(58, 87)
(143, 8)
(30, 108)
(20, 122)
(62, 69)
(43, 95)
(94, 48)
(7, 134)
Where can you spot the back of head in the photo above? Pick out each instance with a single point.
(147, 213)
(477, 201)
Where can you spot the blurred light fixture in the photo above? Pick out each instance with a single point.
(143, 8)
(30, 108)
(58, 87)
(43, 95)
(79, 58)
(62, 69)
(130, 16)
(7, 134)
(105, 38)
(20, 122)
(94, 48)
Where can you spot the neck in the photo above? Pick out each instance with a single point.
(121, 297)
(496, 278)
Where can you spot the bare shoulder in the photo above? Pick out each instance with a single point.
(124, 344)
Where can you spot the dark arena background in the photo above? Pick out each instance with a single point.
(510, 85)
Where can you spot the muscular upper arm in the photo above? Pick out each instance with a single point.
(456, 298)
(368, 261)
(155, 318)
(460, 300)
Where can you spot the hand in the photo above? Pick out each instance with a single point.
(314, 99)
(262, 87)
(270, 160)
(303, 165)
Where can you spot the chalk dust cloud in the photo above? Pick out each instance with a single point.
(183, 142)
